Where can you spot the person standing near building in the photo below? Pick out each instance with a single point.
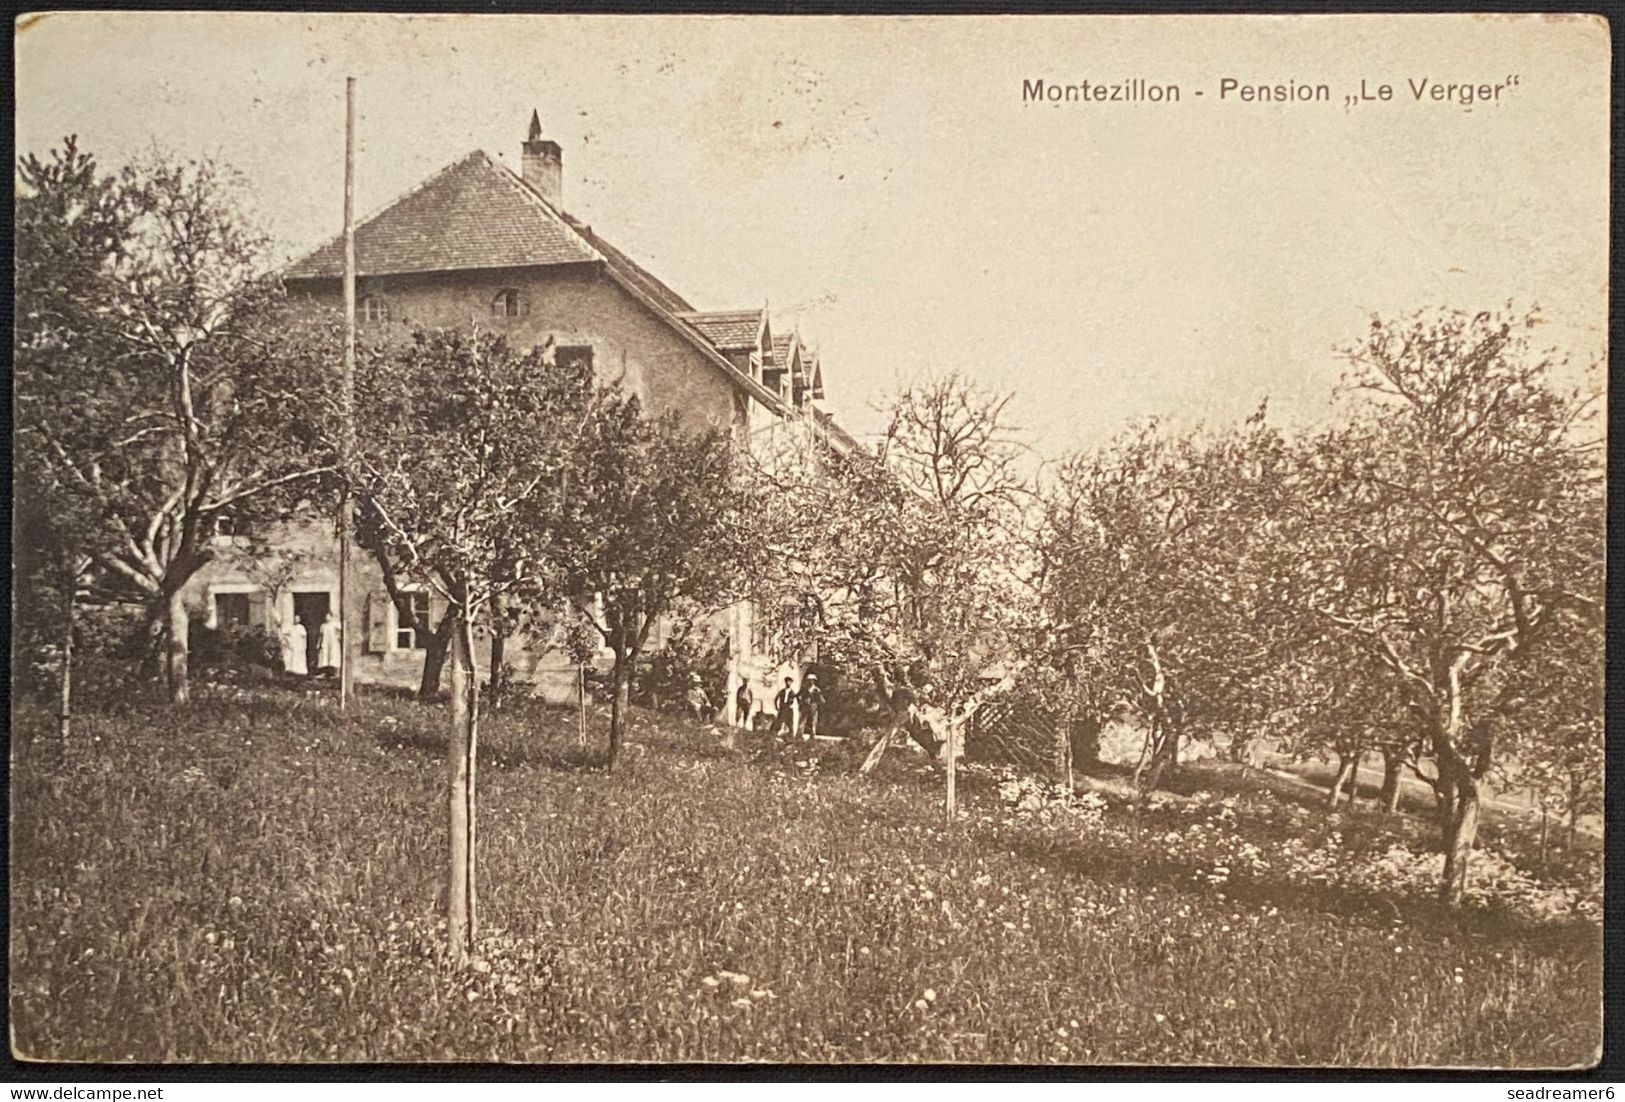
(327, 654)
(784, 710)
(744, 700)
(294, 644)
(812, 699)
(699, 704)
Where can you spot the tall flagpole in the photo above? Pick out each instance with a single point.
(347, 398)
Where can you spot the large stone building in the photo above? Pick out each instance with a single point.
(477, 243)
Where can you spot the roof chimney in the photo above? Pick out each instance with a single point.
(542, 165)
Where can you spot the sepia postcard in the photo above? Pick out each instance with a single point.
(1017, 540)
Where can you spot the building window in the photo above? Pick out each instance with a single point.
(230, 610)
(225, 526)
(406, 636)
(372, 308)
(574, 355)
(508, 304)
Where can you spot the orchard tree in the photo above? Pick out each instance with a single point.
(461, 465)
(653, 521)
(1148, 559)
(1338, 703)
(1452, 528)
(1550, 716)
(899, 563)
(159, 382)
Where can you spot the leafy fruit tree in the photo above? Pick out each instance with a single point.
(461, 465)
(898, 563)
(159, 381)
(1550, 710)
(653, 521)
(1149, 555)
(1338, 703)
(1452, 528)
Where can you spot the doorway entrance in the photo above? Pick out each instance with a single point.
(310, 609)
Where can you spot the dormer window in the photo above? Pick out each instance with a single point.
(509, 304)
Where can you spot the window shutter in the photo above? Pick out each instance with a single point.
(437, 609)
(377, 623)
(257, 610)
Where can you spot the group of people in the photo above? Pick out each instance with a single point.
(296, 646)
(789, 705)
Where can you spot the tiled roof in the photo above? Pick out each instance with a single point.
(632, 271)
(727, 330)
(477, 214)
(472, 214)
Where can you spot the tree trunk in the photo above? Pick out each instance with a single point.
(1459, 846)
(436, 645)
(499, 647)
(64, 720)
(497, 682)
(1444, 795)
(1352, 785)
(177, 641)
(461, 898)
(1393, 766)
(1545, 834)
(1576, 794)
(1345, 767)
(1148, 747)
(581, 704)
(951, 801)
(619, 703)
(1063, 754)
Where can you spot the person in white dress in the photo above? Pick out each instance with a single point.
(327, 654)
(294, 640)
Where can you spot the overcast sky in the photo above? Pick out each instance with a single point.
(881, 182)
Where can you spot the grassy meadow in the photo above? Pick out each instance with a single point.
(257, 878)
